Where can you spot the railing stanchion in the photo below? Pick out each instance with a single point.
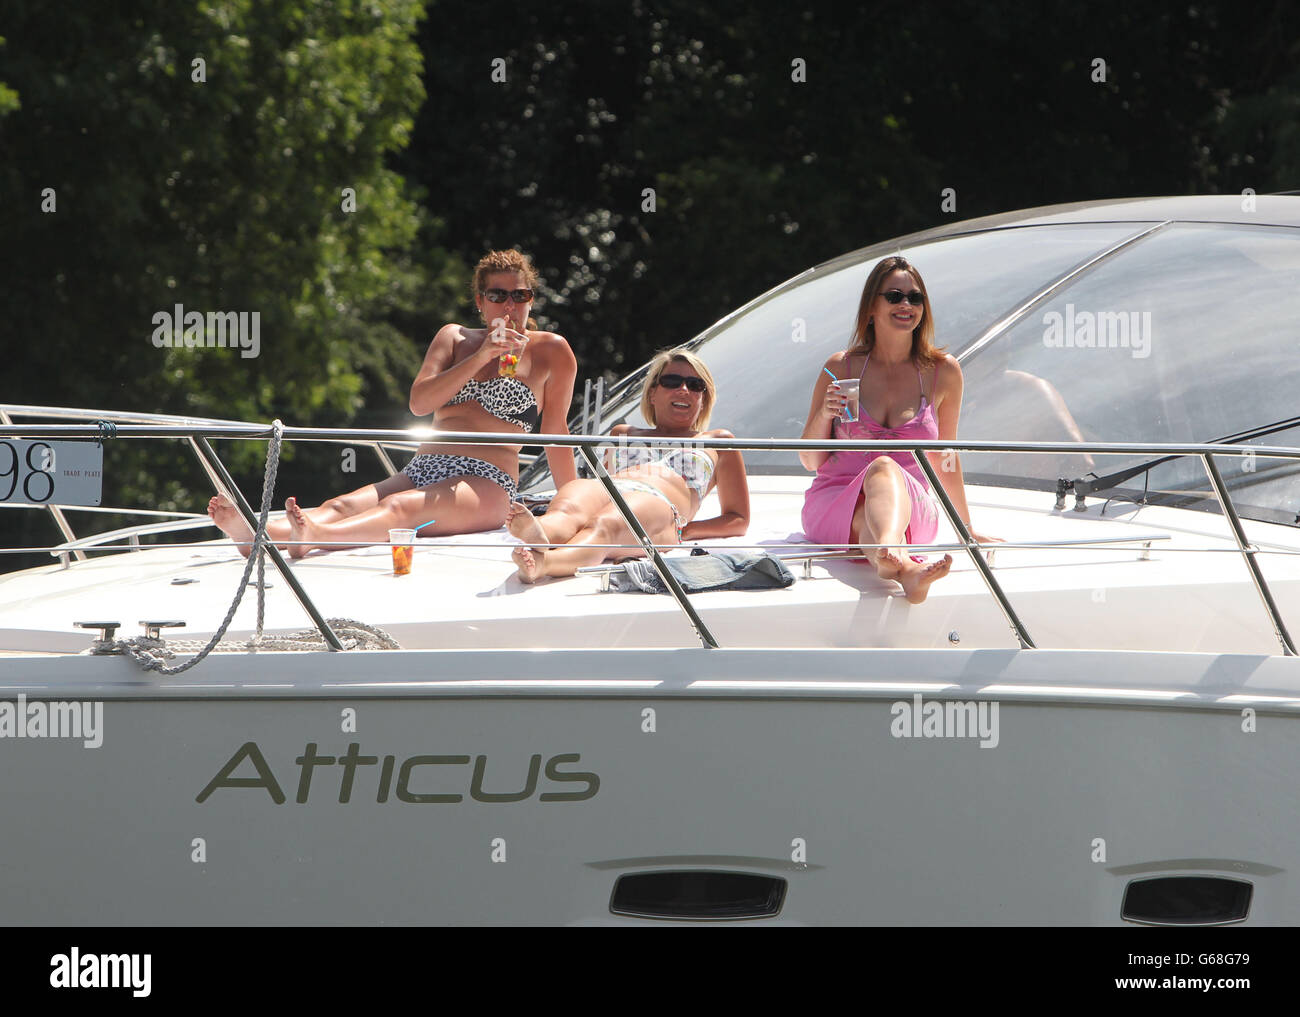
(972, 548)
(1248, 553)
(384, 459)
(218, 484)
(634, 524)
(237, 498)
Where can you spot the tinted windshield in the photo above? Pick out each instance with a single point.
(1189, 334)
(767, 358)
(1192, 334)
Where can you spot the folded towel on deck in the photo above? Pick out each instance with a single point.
(704, 572)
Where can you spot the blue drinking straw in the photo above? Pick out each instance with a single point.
(836, 380)
(423, 525)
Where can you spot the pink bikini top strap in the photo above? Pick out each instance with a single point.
(919, 379)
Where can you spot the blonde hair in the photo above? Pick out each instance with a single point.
(504, 261)
(863, 339)
(657, 366)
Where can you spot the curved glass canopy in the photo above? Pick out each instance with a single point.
(1068, 331)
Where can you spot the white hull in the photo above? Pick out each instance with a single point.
(752, 752)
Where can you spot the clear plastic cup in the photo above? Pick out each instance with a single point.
(850, 389)
(403, 542)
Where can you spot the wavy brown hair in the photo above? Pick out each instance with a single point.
(863, 340)
(505, 261)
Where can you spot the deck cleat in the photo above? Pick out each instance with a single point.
(107, 630)
(153, 629)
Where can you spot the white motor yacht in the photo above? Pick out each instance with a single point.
(1088, 724)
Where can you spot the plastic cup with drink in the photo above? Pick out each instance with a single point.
(849, 387)
(507, 363)
(403, 542)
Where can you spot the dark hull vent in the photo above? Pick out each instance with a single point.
(1187, 900)
(698, 895)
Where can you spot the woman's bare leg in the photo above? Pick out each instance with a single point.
(232, 523)
(609, 528)
(573, 509)
(882, 517)
(571, 513)
(363, 499)
(456, 505)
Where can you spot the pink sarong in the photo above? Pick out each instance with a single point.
(830, 502)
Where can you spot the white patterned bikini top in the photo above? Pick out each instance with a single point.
(507, 399)
(693, 465)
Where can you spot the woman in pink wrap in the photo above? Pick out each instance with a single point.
(908, 388)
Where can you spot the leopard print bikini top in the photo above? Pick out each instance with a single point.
(507, 399)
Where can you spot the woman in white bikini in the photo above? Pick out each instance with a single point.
(662, 486)
(504, 376)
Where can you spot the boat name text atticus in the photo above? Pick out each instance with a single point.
(310, 761)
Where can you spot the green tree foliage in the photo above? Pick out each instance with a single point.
(198, 153)
(8, 97)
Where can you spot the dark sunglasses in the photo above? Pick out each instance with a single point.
(916, 298)
(499, 296)
(678, 380)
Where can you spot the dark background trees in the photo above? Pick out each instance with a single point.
(758, 176)
(228, 193)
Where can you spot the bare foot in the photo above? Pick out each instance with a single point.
(226, 516)
(301, 529)
(523, 524)
(529, 563)
(916, 582)
(517, 508)
(888, 563)
(527, 527)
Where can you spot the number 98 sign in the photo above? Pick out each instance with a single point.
(50, 472)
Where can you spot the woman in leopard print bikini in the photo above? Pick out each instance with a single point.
(463, 488)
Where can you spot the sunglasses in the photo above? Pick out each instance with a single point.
(678, 380)
(916, 298)
(495, 296)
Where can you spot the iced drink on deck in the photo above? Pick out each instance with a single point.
(403, 542)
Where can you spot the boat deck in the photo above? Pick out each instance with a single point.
(1193, 593)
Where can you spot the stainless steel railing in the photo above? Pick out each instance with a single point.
(134, 426)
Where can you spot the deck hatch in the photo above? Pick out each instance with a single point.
(1187, 900)
(698, 895)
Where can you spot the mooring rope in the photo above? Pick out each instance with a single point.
(152, 654)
